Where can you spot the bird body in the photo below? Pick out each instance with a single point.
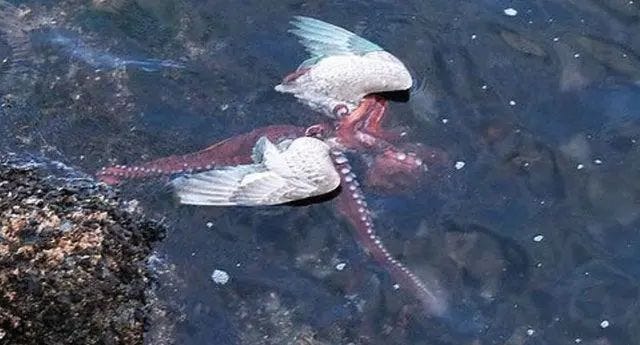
(343, 68)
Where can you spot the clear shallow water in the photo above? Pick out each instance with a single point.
(542, 107)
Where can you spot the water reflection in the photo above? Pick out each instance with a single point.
(533, 238)
(77, 49)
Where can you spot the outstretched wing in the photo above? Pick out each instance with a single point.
(269, 181)
(247, 185)
(323, 39)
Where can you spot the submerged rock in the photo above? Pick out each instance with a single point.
(72, 261)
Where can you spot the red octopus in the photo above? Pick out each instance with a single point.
(358, 131)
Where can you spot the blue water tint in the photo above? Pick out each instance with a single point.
(73, 46)
(533, 241)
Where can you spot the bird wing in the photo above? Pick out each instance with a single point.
(212, 188)
(323, 39)
(246, 185)
(269, 181)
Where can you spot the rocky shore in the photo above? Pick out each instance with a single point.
(72, 259)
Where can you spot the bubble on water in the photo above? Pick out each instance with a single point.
(220, 277)
(510, 11)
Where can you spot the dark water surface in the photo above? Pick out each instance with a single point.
(535, 237)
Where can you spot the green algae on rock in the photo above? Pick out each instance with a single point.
(72, 261)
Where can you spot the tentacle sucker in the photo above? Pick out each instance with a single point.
(352, 205)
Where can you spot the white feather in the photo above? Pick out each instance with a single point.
(343, 68)
(299, 171)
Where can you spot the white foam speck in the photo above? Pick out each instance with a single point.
(512, 103)
(510, 11)
(220, 277)
(530, 332)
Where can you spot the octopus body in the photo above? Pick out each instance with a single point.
(351, 202)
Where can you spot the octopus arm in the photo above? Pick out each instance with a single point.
(232, 151)
(353, 206)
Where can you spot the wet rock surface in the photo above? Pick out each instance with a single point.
(72, 260)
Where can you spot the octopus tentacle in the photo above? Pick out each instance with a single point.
(320, 131)
(348, 124)
(372, 124)
(353, 206)
(362, 128)
(232, 151)
(291, 77)
(340, 110)
(395, 171)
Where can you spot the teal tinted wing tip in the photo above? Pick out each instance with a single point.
(323, 39)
